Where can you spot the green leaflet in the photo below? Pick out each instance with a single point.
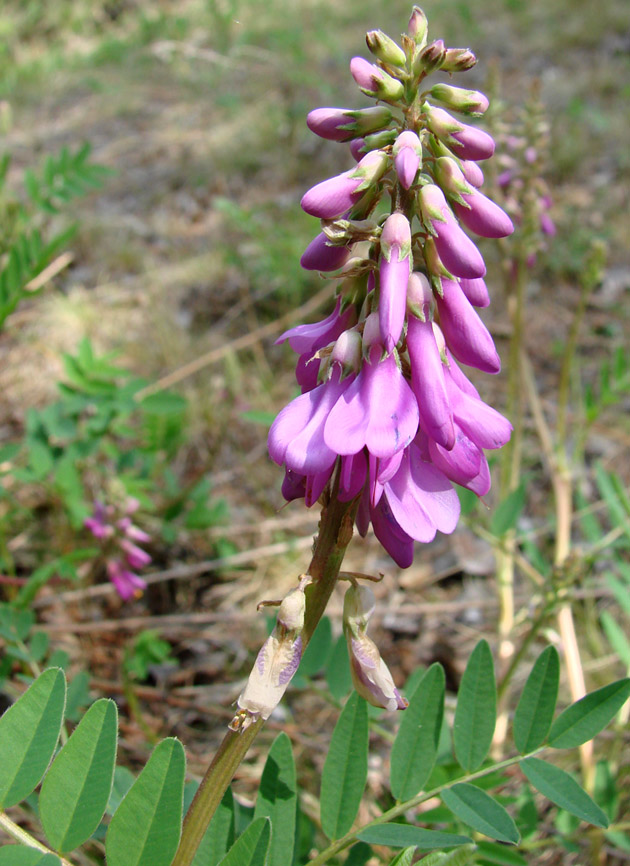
(537, 703)
(481, 812)
(563, 790)
(76, 789)
(415, 747)
(345, 770)
(587, 717)
(476, 713)
(402, 835)
(250, 849)
(146, 827)
(20, 855)
(277, 800)
(29, 731)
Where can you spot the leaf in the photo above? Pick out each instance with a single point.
(164, 403)
(250, 849)
(563, 790)
(415, 747)
(318, 651)
(338, 674)
(123, 780)
(481, 812)
(219, 837)
(21, 855)
(277, 800)
(29, 731)
(146, 827)
(476, 713)
(76, 789)
(401, 835)
(404, 858)
(345, 770)
(508, 510)
(359, 854)
(585, 718)
(616, 637)
(462, 856)
(492, 852)
(537, 703)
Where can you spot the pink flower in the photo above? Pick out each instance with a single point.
(457, 252)
(466, 335)
(128, 585)
(407, 152)
(394, 270)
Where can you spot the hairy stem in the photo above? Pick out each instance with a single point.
(335, 532)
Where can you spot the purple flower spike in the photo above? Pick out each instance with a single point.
(457, 252)
(135, 556)
(394, 270)
(407, 152)
(331, 198)
(465, 463)
(421, 498)
(353, 476)
(378, 410)
(476, 291)
(466, 335)
(320, 255)
(472, 172)
(296, 436)
(427, 381)
(483, 425)
(483, 216)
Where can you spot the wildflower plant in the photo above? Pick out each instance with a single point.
(385, 429)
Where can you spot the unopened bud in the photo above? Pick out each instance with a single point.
(431, 58)
(347, 352)
(458, 60)
(419, 296)
(384, 48)
(374, 82)
(451, 179)
(467, 101)
(418, 27)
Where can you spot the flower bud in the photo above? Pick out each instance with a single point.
(407, 152)
(384, 48)
(458, 60)
(394, 270)
(455, 249)
(451, 179)
(430, 58)
(370, 675)
(320, 255)
(418, 26)
(419, 296)
(467, 142)
(374, 82)
(332, 197)
(468, 101)
(276, 662)
(347, 352)
(472, 172)
(340, 124)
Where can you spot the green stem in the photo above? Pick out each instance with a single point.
(16, 832)
(400, 809)
(335, 532)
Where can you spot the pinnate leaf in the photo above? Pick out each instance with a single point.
(29, 731)
(563, 790)
(251, 847)
(345, 770)
(415, 747)
(585, 718)
(537, 703)
(277, 800)
(146, 827)
(76, 789)
(481, 812)
(476, 713)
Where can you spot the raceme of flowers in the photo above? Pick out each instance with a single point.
(383, 395)
(120, 539)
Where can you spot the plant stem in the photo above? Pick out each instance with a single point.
(401, 808)
(335, 532)
(16, 832)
